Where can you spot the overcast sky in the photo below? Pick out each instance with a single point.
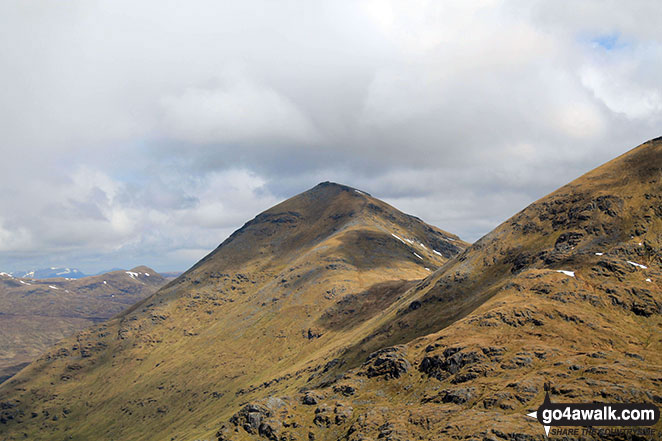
(146, 132)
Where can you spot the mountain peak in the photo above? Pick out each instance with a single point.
(143, 269)
(282, 287)
(337, 188)
(327, 210)
(322, 195)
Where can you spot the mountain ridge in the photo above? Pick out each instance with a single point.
(334, 316)
(518, 257)
(36, 313)
(565, 292)
(49, 273)
(258, 297)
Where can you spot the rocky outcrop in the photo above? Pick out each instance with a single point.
(387, 363)
(450, 362)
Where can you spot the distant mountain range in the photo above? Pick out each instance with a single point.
(68, 273)
(334, 316)
(36, 313)
(49, 273)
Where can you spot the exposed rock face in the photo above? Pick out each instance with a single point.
(449, 363)
(310, 399)
(251, 417)
(387, 363)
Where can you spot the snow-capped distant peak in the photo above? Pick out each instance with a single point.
(49, 273)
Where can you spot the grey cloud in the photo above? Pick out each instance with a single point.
(146, 132)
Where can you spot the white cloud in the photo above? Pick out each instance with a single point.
(146, 132)
(15, 239)
(618, 87)
(234, 111)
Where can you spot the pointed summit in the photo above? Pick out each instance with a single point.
(328, 210)
(328, 186)
(277, 299)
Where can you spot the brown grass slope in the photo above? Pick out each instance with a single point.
(267, 307)
(35, 314)
(464, 353)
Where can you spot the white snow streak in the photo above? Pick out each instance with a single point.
(397, 238)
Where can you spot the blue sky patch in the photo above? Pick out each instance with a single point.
(608, 41)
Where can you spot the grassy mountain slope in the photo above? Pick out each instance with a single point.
(35, 314)
(274, 304)
(567, 291)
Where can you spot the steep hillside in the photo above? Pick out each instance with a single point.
(273, 304)
(567, 292)
(35, 314)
